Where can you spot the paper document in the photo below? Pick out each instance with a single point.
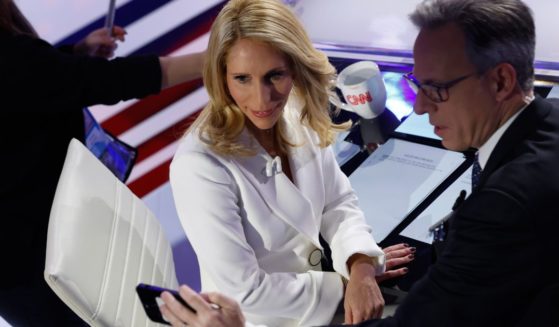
(419, 228)
(397, 177)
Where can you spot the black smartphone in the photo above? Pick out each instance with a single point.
(150, 298)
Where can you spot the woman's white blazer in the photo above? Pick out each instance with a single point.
(256, 233)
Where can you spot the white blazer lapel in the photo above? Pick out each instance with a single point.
(306, 169)
(305, 160)
(278, 192)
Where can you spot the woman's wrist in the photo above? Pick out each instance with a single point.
(359, 258)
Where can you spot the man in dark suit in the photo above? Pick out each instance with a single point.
(474, 71)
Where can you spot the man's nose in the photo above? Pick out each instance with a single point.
(422, 104)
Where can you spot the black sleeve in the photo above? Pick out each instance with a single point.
(66, 48)
(35, 74)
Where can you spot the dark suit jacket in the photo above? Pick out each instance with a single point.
(43, 92)
(503, 247)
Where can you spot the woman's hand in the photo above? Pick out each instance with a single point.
(363, 299)
(100, 43)
(396, 255)
(212, 310)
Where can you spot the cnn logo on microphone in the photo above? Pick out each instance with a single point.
(359, 98)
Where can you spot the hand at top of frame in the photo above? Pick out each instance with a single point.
(100, 43)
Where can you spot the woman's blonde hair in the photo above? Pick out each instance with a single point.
(273, 23)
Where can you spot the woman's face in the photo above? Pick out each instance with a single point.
(259, 80)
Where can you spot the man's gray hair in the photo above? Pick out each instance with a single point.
(496, 31)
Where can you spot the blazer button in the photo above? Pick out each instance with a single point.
(315, 257)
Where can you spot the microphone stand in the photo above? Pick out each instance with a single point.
(377, 130)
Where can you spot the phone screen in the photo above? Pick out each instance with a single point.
(150, 296)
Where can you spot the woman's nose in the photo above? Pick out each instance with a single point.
(262, 96)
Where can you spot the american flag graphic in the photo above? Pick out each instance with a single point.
(153, 124)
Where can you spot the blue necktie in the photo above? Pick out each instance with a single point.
(476, 172)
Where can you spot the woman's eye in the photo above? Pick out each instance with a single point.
(242, 79)
(276, 76)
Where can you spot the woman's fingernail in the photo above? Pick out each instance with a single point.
(406, 245)
(411, 256)
(413, 249)
(406, 270)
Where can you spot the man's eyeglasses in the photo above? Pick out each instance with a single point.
(436, 92)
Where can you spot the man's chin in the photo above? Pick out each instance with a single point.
(449, 145)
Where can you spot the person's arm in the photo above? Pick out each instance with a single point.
(343, 224)
(178, 69)
(63, 81)
(174, 69)
(355, 254)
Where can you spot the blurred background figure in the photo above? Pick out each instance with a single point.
(44, 92)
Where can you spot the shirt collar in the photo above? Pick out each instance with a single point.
(484, 152)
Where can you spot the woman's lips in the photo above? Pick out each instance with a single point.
(263, 114)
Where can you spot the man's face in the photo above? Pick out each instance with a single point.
(467, 118)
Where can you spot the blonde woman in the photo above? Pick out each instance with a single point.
(255, 181)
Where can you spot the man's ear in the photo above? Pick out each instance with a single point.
(504, 81)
